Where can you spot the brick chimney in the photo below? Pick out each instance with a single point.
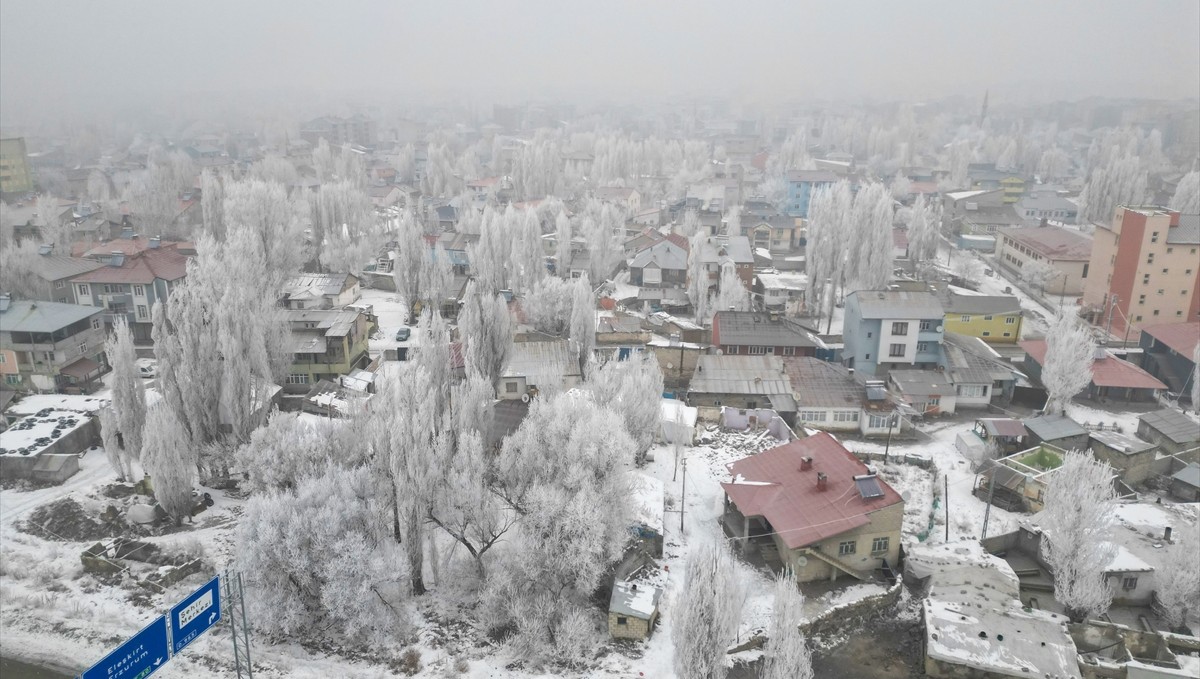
(822, 481)
(805, 463)
(1174, 217)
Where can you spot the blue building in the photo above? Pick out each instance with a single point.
(892, 329)
(801, 186)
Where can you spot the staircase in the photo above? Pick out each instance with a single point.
(838, 564)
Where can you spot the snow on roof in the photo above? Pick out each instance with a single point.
(959, 195)
(1125, 561)
(1005, 640)
(677, 411)
(33, 434)
(649, 499)
(634, 600)
(29, 405)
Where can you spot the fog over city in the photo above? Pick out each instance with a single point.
(659, 339)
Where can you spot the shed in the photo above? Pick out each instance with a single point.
(1185, 483)
(1058, 430)
(678, 422)
(1173, 431)
(1131, 457)
(632, 610)
(55, 468)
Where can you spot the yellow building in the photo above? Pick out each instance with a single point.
(14, 166)
(1014, 188)
(995, 319)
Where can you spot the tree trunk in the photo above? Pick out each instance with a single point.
(396, 515)
(415, 550)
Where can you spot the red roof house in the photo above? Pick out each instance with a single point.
(812, 505)
(1111, 376)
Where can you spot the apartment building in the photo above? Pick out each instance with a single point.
(1068, 252)
(15, 176)
(1144, 269)
(48, 347)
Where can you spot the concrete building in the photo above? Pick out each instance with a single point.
(830, 399)
(1147, 260)
(758, 333)
(129, 285)
(1170, 430)
(338, 131)
(326, 344)
(47, 346)
(742, 382)
(320, 291)
(1168, 354)
(1069, 252)
(1112, 378)
(802, 184)
(889, 329)
(15, 176)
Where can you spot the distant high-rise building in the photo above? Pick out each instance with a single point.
(15, 176)
(359, 130)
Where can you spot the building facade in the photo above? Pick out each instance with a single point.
(15, 176)
(1068, 252)
(802, 184)
(129, 286)
(49, 347)
(887, 329)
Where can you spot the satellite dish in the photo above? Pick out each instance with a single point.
(906, 495)
(940, 328)
(802, 561)
(524, 398)
(719, 352)
(670, 365)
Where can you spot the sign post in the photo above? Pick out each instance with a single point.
(194, 615)
(138, 658)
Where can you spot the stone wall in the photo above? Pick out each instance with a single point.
(854, 614)
(634, 628)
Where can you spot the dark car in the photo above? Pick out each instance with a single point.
(403, 334)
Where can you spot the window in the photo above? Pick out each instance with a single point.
(880, 545)
(12, 379)
(1160, 291)
(1141, 299)
(925, 325)
(848, 547)
(510, 388)
(48, 356)
(972, 390)
(1154, 237)
(896, 351)
(58, 285)
(95, 324)
(83, 347)
(846, 416)
(139, 290)
(986, 333)
(789, 351)
(812, 415)
(1137, 318)
(987, 318)
(935, 400)
(1146, 279)
(1170, 250)
(1164, 271)
(1150, 258)
(870, 335)
(867, 357)
(732, 351)
(83, 289)
(1128, 583)
(1156, 312)
(3, 360)
(965, 318)
(1085, 269)
(1008, 334)
(877, 421)
(757, 351)
(900, 328)
(922, 347)
(622, 620)
(141, 310)
(298, 378)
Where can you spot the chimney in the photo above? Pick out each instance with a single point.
(1167, 534)
(117, 258)
(822, 481)
(1101, 352)
(805, 463)
(155, 242)
(127, 232)
(1174, 217)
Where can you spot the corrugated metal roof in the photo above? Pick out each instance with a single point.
(1182, 338)
(1106, 372)
(1174, 425)
(27, 316)
(819, 384)
(896, 304)
(1003, 426)
(1051, 428)
(758, 328)
(757, 375)
(1187, 233)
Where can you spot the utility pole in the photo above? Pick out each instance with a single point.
(987, 511)
(888, 445)
(1112, 304)
(946, 497)
(683, 496)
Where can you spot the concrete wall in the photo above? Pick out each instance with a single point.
(884, 523)
(1134, 468)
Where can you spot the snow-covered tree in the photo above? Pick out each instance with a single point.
(562, 251)
(264, 211)
(118, 459)
(437, 273)
(1120, 179)
(787, 655)
(547, 307)
(128, 391)
(409, 260)
(633, 389)
(1039, 274)
(733, 221)
(170, 461)
(1186, 198)
(829, 239)
(212, 204)
(1076, 523)
(707, 613)
(489, 255)
(901, 187)
(697, 276)
(291, 448)
(582, 329)
(433, 354)
(1067, 368)
(1176, 578)
(869, 260)
(529, 262)
(20, 269)
(572, 528)
(342, 212)
(731, 294)
(314, 558)
(922, 233)
(1054, 164)
(53, 229)
(485, 328)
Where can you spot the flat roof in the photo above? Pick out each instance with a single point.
(31, 316)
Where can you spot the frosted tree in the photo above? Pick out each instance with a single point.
(433, 354)
(1067, 368)
(53, 229)
(732, 294)
(529, 263)
(485, 328)
(901, 187)
(1120, 180)
(128, 391)
(342, 212)
(1186, 198)
(118, 459)
(1054, 164)
(633, 389)
(153, 194)
(20, 270)
(562, 250)
(275, 169)
(437, 274)
(829, 239)
(1076, 523)
(548, 305)
(869, 261)
(582, 330)
(170, 461)
(1039, 274)
(314, 559)
(291, 448)
(690, 226)
(733, 221)
(707, 613)
(697, 276)
(1176, 579)
(787, 655)
(571, 530)
(922, 234)
(212, 208)
(265, 213)
(409, 261)
(489, 255)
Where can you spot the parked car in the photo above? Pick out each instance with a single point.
(147, 367)
(403, 334)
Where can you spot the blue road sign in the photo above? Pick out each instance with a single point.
(194, 615)
(137, 658)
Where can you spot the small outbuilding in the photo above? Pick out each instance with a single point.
(1185, 483)
(633, 610)
(1057, 430)
(1173, 431)
(54, 468)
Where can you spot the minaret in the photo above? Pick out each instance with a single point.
(983, 111)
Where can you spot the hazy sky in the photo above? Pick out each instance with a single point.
(67, 53)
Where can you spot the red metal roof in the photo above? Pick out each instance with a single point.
(1106, 372)
(772, 485)
(1181, 337)
(143, 267)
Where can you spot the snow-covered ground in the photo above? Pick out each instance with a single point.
(392, 313)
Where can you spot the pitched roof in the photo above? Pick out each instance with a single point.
(758, 328)
(969, 360)
(1174, 425)
(313, 285)
(29, 316)
(759, 375)
(1053, 243)
(142, 267)
(736, 248)
(955, 303)
(1054, 427)
(664, 254)
(772, 485)
(1003, 426)
(1182, 338)
(1187, 233)
(541, 363)
(897, 304)
(820, 384)
(921, 382)
(57, 267)
(1109, 371)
